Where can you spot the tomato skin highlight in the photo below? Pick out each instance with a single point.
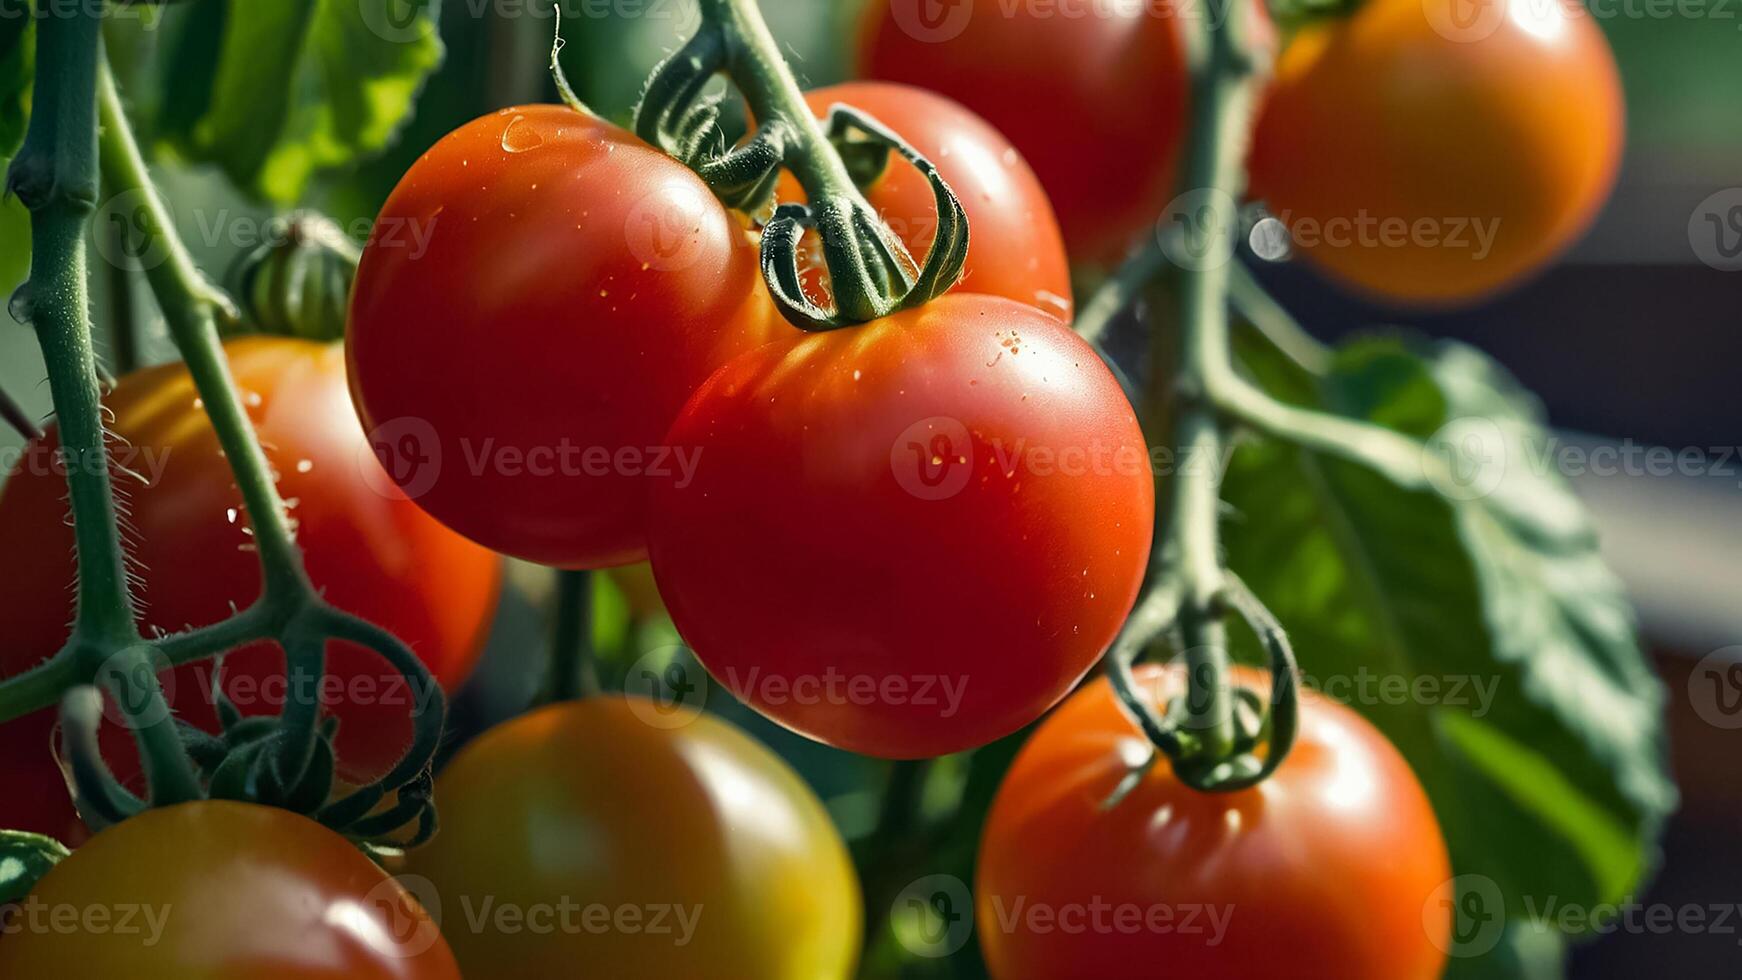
(372, 552)
(619, 803)
(897, 538)
(1014, 249)
(1107, 168)
(238, 891)
(1327, 869)
(1514, 130)
(542, 292)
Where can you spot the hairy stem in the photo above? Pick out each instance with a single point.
(55, 175)
(190, 306)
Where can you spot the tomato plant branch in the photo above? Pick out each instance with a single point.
(1278, 326)
(573, 673)
(871, 273)
(55, 176)
(13, 415)
(1224, 95)
(190, 306)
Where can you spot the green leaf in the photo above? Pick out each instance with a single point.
(1540, 741)
(277, 91)
(17, 72)
(24, 859)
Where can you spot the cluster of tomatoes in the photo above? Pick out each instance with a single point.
(904, 538)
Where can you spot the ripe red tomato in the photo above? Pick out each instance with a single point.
(216, 890)
(640, 840)
(909, 537)
(540, 294)
(373, 552)
(1094, 99)
(1328, 868)
(1014, 246)
(1467, 153)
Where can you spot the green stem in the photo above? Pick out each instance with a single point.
(573, 672)
(55, 175)
(123, 311)
(190, 306)
(774, 94)
(1225, 91)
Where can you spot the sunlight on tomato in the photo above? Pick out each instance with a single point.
(1329, 868)
(1434, 152)
(653, 841)
(909, 537)
(217, 890)
(370, 550)
(1095, 101)
(540, 294)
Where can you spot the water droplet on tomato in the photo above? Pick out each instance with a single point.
(520, 136)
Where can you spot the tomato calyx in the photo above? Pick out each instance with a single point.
(1271, 724)
(297, 282)
(870, 269)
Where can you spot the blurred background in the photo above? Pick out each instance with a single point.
(1630, 340)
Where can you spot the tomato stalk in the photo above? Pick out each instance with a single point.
(285, 762)
(871, 272)
(573, 672)
(55, 176)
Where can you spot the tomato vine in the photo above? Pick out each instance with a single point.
(56, 175)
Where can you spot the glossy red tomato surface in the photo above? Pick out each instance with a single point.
(371, 551)
(680, 847)
(1014, 246)
(216, 890)
(1093, 95)
(1472, 143)
(909, 537)
(540, 294)
(1330, 868)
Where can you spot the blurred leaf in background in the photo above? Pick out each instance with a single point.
(1540, 738)
(276, 91)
